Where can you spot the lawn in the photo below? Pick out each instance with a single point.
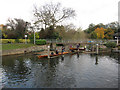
(15, 46)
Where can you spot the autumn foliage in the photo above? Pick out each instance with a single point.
(100, 32)
(109, 33)
(103, 33)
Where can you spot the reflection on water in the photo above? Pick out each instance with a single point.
(96, 60)
(1, 78)
(77, 55)
(62, 58)
(69, 71)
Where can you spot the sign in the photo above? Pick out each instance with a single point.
(48, 46)
(90, 41)
(25, 35)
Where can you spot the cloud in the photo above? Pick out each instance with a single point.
(88, 11)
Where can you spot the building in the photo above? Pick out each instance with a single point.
(1, 27)
(4, 27)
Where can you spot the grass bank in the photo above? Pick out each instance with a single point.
(15, 46)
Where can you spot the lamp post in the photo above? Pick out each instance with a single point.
(96, 48)
(33, 29)
(34, 36)
(25, 32)
(25, 39)
(117, 40)
(48, 51)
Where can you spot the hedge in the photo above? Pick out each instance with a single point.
(11, 41)
(110, 44)
(40, 42)
(119, 47)
(8, 41)
(4, 41)
(23, 40)
(31, 40)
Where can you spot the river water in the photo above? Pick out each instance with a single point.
(72, 71)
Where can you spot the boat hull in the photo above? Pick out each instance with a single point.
(77, 48)
(41, 56)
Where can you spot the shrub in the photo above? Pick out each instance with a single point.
(8, 41)
(110, 44)
(5, 41)
(15, 41)
(40, 42)
(28, 40)
(31, 40)
(11, 40)
(23, 40)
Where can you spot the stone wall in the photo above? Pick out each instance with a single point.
(23, 50)
(30, 49)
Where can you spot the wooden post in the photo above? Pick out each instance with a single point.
(117, 41)
(92, 48)
(48, 51)
(85, 47)
(96, 48)
(51, 46)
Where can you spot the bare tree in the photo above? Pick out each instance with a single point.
(51, 14)
(18, 26)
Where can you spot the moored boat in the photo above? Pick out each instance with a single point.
(77, 48)
(41, 56)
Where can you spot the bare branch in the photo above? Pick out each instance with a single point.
(51, 14)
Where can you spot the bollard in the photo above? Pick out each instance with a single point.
(85, 47)
(96, 48)
(48, 51)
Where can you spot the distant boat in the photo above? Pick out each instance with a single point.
(77, 48)
(41, 56)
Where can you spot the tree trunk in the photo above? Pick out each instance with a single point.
(51, 46)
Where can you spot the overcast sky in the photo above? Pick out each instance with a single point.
(88, 11)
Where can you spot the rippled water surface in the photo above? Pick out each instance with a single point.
(72, 71)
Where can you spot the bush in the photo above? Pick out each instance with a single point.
(23, 40)
(17, 40)
(11, 40)
(28, 40)
(40, 42)
(31, 40)
(5, 41)
(110, 44)
(119, 47)
(8, 41)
